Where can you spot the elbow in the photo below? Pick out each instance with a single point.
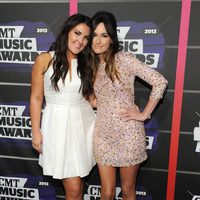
(36, 100)
(166, 82)
(163, 83)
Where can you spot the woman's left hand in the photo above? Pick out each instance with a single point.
(131, 113)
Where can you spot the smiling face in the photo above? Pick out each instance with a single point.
(101, 40)
(77, 39)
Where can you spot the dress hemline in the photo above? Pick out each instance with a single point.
(125, 165)
(69, 176)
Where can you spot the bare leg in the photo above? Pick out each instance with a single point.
(108, 181)
(73, 188)
(128, 177)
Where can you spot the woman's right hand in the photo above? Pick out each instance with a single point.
(93, 101)
(37, 141)
(128, 113)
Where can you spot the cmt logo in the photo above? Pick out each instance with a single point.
(13, 48)
(22, 41)
(13, 123)
(14, 188)
(149, 142)
(94, 193)
(143, 40)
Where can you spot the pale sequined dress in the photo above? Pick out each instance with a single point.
(118, 143)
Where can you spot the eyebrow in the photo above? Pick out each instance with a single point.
(81, 32)
(77, 30)
(102, 33)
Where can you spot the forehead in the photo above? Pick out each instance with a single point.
(100, 28)
(83, 28)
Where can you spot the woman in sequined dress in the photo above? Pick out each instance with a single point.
(119, 136)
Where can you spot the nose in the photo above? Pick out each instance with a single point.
(98, 40)
(81, 39)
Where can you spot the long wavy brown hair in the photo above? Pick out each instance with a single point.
(109, 21)
(60, 62)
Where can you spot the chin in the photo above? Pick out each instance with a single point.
(98, 52)
(77, 52)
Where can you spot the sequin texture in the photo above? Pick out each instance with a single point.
(118, 143)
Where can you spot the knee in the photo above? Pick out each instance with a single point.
(74, 192)
(107, 194)
(127, 192)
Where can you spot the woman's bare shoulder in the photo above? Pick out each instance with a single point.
(42, 60)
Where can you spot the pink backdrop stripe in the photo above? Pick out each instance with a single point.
(178, 95)
(73, 7)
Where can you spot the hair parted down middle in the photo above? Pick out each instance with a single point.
(109, 21)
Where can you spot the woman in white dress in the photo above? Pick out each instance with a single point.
(62, 77)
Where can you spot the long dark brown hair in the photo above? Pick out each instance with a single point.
(60, 62)
(109, 21)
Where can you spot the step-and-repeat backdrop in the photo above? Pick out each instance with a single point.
(150, 30)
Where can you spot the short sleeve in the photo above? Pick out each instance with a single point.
(146, 73)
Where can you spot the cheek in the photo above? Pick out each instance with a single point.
(106, 46)
(85, 43)
(106, 43)
(93, 41)
(93, 44)
(69, 41)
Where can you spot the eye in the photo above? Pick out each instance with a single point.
(87, 37)
(77, 32)
(105, 35)
(94, 35)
